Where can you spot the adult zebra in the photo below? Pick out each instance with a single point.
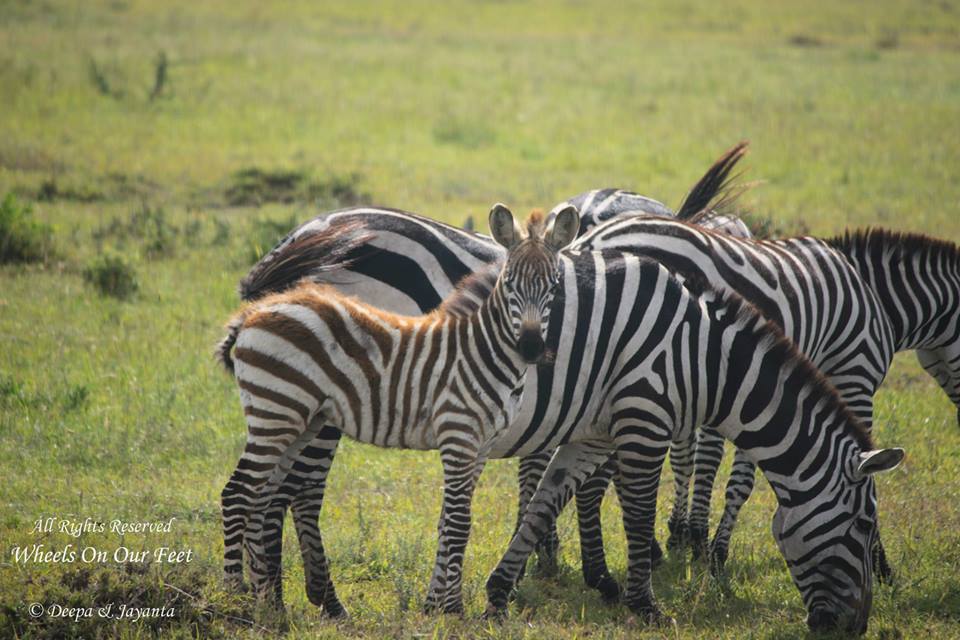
(649, 372)
(849, 303)
(406, 264)
(916, 281)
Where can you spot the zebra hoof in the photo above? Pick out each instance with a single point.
(609, 590)
(335, 612)
(494, 613)
(718, 560)
(234, 583)
(650, 615)
(698, 542)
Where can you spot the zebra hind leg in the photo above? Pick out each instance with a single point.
(316, 459)
(709, 455)
(681, 462)
(739, 488)
(547, 548)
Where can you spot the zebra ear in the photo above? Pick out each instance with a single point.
(503, 226)
(562, 229)
(871, 462)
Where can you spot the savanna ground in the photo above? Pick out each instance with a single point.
(163, 146)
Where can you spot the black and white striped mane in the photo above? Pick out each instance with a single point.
(897, 243)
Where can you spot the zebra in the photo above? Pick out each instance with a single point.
(313, 357)
(704, 358)
(916, 280)
(621, 365)
(803, 285)
(408, 264)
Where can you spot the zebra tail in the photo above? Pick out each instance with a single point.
(715, 185)
(225, 346)
(310, 255)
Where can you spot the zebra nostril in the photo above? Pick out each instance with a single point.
(531, 346)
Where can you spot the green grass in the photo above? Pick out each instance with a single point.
(115, 409)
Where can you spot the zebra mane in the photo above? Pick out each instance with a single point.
(309, 254)
(535, 222)
(471, 291)
(780, 346)
(901, 244)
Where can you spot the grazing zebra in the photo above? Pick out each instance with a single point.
(916, 280)
(806, 286)
(313, 357)
(406, 264)
(666, 361)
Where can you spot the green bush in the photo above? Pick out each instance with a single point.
(112, 276)
(22, 239)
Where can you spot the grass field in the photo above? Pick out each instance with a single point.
(217, 125)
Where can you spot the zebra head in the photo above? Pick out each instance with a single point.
(827, 542)
(531, 273)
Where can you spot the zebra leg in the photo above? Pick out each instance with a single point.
(592, 558)
(461, 469)
(570, 465)
(316, 459)
(531, 470)
(656, 554)
(641, 450)
(681, 462)
(739, 488)
(270, 459)
(707, 460)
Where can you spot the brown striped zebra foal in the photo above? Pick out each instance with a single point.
(312, 357)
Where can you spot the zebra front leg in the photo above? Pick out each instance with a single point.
(739, 488)
(570, 465)
(681, 463)
(547, 548)
(709, 455)
(317, 459)
(592, 557)
(640, 453)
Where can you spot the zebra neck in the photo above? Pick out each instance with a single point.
(490, 335)
(916, 280)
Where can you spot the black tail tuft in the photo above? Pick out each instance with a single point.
(225, 346)
(308, 255)
(715, 183)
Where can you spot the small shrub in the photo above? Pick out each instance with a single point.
(805, 40)
(22, 239)
(112, 276)
(256, 187)
(50, 190)
(147, 224)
